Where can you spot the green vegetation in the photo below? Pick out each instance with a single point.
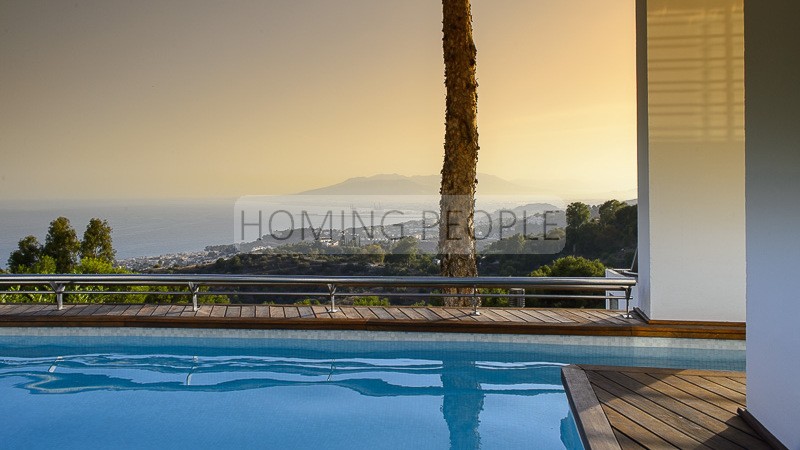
(308, 302)
(569, 266)
(371, 300)
(62, 245)
(62, 252)
(596, 237)
(96, 243)
(605, 232)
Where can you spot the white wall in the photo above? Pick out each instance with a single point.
(773, 215)
(691, 160)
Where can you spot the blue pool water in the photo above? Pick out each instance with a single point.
(139, 392)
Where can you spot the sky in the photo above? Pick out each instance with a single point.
(197, 98)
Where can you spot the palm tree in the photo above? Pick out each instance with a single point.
(456, 236)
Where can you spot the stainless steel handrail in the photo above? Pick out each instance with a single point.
(58, 285)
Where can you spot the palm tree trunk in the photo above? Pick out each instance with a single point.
(459, 180)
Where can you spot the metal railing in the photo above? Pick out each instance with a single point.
(200, 285)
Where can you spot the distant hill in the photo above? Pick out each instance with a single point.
(388, 184)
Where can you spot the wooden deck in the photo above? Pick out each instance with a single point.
(635, 408)
(379, 318)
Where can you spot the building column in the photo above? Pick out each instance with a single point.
(690, 94)
(773, 216)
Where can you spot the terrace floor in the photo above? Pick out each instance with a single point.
(635, 408)
(596, 322)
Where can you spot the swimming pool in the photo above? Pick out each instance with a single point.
(189, 392)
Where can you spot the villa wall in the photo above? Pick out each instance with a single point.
(773, 215)
(690, 68)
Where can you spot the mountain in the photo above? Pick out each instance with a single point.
(389, 184)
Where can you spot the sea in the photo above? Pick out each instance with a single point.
(150, 227)
(139, 227)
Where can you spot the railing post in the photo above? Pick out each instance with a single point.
(58, 289)
(627, 304)
(475, 300)
(332, 296)
(518, 297)
(194, 288)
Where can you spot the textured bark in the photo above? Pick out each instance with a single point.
(456, 228)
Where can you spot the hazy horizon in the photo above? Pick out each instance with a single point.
(199, 99)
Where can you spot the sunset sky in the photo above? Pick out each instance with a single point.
(193, 98)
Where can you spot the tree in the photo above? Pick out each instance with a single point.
(26, 256)
(62, 245)
(45, 264)
(608, 211)
(577, 215)
(374, 253)
(459, 171)
(571, 266)
(97, 242)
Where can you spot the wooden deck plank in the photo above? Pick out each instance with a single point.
(204, 310)
(605, 318)
(459, 314)
(531, 315)
(146, 310)
(700, 403)
(732, 383)
(338, 314)
(351, 312)
(664, 431)
(413, 313)
(444, 315)
(479, 318)
(305, 312)
(554, 313)
(713, 424)
(429, 315)
(262, 311)
(492, 315)
(396, 313)
(218, 311)
(593, 424)
(321, 312)
(365, 312)
(508, 317)
(588, 318)
(233, 311)
(49, 309)
(705, 383)
(132, 310)
(175, 310)
(73, 310)
(664, 408)
(35, 308)
(400, 318)
(676, 421)
(161, 310)
(12, 308)
(248, 311)
(699, 392)
(381, 313)
(276, 312)
(291, 312)
(565, 312)
(627, 443)
(117, 310)
(632, 429)
(40, 307)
